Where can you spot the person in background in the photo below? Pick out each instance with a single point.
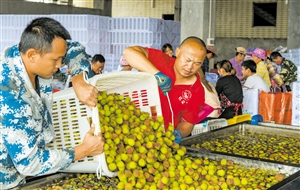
(258, 55)
(123, 65)
(237, 61)
(286, 69)
(97, 65)
(230, 90)
(211, 97)
(178, 80)
(168, 49)
(274, 77)
(210, 53)
(252, 79)
(26, 104)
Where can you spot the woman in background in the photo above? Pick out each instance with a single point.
(168, 49)
(211, 97)
(230, 90)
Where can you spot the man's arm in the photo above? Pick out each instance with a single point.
(85, 92)
(78, 63)
(185, 128)
(288, 72)
(137, 57)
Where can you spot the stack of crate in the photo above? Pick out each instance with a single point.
(99, 34)
(90, 30)
(171, 33)
(131, 31)
(294, 56)
(143, 31)
(11, 30)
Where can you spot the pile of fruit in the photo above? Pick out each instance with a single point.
(256, 145)
(145, 156)
(82, 182)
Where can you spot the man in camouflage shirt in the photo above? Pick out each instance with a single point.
(287, 69)
(26, 103)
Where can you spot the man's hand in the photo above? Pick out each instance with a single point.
(92, 145)
(178, 136)
(85, 92)
(164, 82)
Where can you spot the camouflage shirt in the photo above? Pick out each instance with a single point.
(288, 71)
(26, 120)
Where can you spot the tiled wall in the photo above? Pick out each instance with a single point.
(234, 19)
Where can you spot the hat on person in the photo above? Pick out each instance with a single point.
(241, 50)
(258, 52)
(123, 62)
(212, 50)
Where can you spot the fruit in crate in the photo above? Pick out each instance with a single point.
(256, 145)
(146, 157)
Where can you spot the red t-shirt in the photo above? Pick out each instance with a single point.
(186, 100)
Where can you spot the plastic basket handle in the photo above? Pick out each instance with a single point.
(170, 105)
(96, 122)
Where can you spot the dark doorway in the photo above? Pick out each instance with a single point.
(168, 16)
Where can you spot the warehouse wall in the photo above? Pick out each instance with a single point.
(234, 20)
(294, 24)
(145, 8)
(24, 7)
(233, 27)
(225, 47)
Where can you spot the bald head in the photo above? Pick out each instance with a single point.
(192, 39)
(190, 56)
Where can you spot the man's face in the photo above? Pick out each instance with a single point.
(245, 72)
(189, 59)
(45, 65)
(277, 60)
(97, 67)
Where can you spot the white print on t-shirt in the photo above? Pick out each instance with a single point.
(185, 97)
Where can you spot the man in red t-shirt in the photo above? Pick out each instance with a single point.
(177, 78)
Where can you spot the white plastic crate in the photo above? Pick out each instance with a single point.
(75, 21)
(138, 23)
(298, 72)
(171, 39)
(209, 125)
(118, 48)
(136, 37)
(97, 48)
(70, 116)
(297, 50)
(171, 26)
(90, 35)
(111, 62)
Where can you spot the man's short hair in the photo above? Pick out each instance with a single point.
(98, 58)
(274, 55)
(40, 33)
(249, 64)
